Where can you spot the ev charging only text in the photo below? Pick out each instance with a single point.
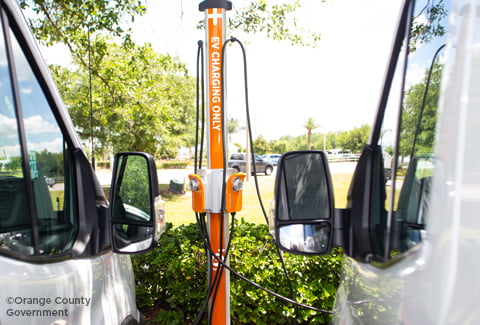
(216, 84)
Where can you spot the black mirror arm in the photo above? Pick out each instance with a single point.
(341, 225)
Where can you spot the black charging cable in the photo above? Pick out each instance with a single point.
(252, 154)
(200, 217)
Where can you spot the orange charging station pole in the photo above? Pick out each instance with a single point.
(215, 12)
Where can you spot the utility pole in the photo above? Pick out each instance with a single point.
(248, 155)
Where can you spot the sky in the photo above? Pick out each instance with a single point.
(337, 82)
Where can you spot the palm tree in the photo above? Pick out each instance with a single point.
(233, 127)
(310, 125)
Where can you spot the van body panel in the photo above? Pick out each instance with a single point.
(97, 290)
(68, 273)
(436, 282)
(411, 246)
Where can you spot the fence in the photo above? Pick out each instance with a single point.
(343, 158)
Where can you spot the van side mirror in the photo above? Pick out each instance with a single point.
(303, 208)
(137, 212)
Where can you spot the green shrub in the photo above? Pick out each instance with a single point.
(172, 279)
(174, 164)
(103, 164)
(313, 279)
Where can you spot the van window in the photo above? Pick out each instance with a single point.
(409, 136)
(35, 156)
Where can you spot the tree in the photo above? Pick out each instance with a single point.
(51, 164)
(359, 138)
(260, 145)
(275, 20)
(331, 140)
(417, 132)
(85, 27)
(278, 146)
(74, 22)
(70, 22)
(321, 141)
(233, 127)
(354, 140)
(310, 125)
(79, 23)
(427, 23)
(144, 103)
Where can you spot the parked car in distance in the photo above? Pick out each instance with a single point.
(50, 181)
(273, 157)
(237, 161)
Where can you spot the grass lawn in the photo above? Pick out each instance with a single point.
(179, 207)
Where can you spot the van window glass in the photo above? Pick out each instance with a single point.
(14, 217)
(408, 140)
(415, 149)
(49, 162)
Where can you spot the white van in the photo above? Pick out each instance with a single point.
(411, 245)
(59, 236)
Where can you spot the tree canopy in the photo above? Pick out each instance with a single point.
(427, 23)
(417, 133)
(126, 100)
(260, 145)
(310, 125)
(353, 141)
(75, 23)
(275, 20)
(125, 96)
(143, 102)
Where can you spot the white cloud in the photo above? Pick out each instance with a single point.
(9, 151)
(41, 135)
(54, 145)
(37, 125)
(8, 126)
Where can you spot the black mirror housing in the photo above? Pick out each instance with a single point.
(304, 206)
(137, 212)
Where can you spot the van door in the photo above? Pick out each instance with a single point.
(389, 218)
(56, 263)
(401, 259)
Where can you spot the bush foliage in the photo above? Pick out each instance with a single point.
(173, 164)
(172, 279)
